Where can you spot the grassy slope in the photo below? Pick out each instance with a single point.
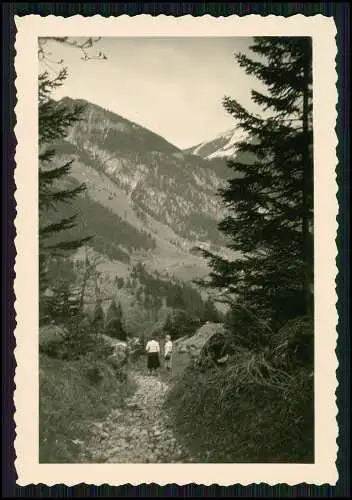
(166, 256)
(68, 401)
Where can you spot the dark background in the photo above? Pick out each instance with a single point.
(340, 12)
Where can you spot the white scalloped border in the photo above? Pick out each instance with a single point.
(29, 471)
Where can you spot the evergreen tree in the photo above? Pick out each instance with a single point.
(54, 122)
(139, 293)
(114, 322)
(271, 197)
(158, 302)
(61, 298)
(113, 311)
(168, 325)
(147, 301)
(210, 312)
(98, 318)
(120, 283)
(62, 305)
(180, 323)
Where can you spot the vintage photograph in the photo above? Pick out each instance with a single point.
(176, 254)
(176, 250)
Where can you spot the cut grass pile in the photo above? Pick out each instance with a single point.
(256, 409)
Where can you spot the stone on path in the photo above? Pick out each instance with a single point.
(140, 433)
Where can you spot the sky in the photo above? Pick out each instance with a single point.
(172, 86)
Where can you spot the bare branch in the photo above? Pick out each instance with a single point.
(83, 46)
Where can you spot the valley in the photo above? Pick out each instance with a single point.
(146, 202)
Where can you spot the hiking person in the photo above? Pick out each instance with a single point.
(153, 351)
(168, 352)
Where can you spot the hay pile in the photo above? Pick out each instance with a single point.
(258, 407)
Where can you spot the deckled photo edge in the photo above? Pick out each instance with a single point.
(26, 377)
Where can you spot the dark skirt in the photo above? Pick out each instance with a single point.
(153, 361)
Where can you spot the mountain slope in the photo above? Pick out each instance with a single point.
(145, 201)
(176, 189)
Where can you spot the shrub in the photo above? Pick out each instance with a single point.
(72, 341)
(52, 341)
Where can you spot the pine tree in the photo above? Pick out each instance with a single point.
(139, 293)
(114, 322)
(98, 318)
(179, 323)
(63, 305)
(55, 120)
(113, 311)
(120, 283)
(210, 312)
(168, 326)
(271, 197)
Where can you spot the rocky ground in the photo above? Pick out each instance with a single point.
(138, 433)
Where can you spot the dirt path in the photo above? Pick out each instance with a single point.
(140, 432)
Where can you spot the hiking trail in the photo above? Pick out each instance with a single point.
(140, 432)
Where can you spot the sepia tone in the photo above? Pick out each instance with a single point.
(177, 280)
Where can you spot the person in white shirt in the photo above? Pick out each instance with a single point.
(168, 352)
(153, 351)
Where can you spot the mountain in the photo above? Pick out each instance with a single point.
(222, 146)
(147, 203)
(158, 180)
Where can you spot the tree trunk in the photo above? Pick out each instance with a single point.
(307, 182)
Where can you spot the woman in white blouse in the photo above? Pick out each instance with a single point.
(153, 351)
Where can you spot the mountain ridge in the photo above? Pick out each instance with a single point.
(146, 202)
(70, 101)
(221, 146)
(175, 188)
